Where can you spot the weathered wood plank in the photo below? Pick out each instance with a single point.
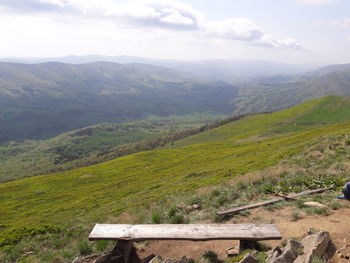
(271, 201)
(195, 232)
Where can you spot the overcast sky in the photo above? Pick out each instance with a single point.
(294, 31)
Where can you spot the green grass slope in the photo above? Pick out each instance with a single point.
(95, 193)
(81, 147)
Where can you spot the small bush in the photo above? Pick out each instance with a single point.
(335, 205)
(101, 245)
(156, 218)
(268, 189)
(260, 246)
(317, 260)
(323, 211)
(221, 200)
(240, 256)
(244, 213)
(242, 186)
(218, 219)
(177, 219)
(84, 248)
(215, 193)
(211, 257)
(295, 216)
(172, 211)
(195, 200)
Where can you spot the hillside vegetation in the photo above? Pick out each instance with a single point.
(86, 146)
(96, 193)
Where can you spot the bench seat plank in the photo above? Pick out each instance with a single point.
(200, 232)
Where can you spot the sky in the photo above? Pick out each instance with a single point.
(290, 31)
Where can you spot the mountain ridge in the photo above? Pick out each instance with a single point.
(43, 100)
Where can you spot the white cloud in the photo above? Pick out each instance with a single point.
(316, 2)
(156, 14)
(234, 29)
(270, 41)
(161, 13)
(245, 30)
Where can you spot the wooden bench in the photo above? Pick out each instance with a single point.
(124, 252)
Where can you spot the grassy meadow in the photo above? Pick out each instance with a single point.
(74, 200)
(81, 147)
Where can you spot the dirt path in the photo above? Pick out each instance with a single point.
(337, 224)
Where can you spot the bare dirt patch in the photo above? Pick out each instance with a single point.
(337, 224)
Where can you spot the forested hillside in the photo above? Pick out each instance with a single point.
(286, 91)
(43, 100)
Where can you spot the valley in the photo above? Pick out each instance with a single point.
(134, 182)
(172, 131)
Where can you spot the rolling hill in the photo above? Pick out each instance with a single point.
(283, 92)
(104, 191)
(228, 70)
(44, 100)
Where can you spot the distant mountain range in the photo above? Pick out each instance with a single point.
(43, 100)
(229, 70)
(46, 99)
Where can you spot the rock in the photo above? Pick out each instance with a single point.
(314, 246)
(156, 259)
(191, 208)
(290, 252)
(344, 252)
(314, 204)
(232, 251)
(273, 254)
(249, 258)
(28, 254)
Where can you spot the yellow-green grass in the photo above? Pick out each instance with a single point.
(91, 194)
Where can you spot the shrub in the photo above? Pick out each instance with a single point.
(14, 236)
(195, 200)
(240, 256)
(177, 219)
(268, 188)
(84, 248)
(335, 205)
(215, 193)
(323, 211)
(295, 216)
(221, 200)
(101, 245)
(172, 211)
(260, 246)
(244, 213)
(242, 186)
(211, 257)
(156, 218)
(317, 260)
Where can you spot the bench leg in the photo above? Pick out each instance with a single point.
(246, 244)
(123, 252)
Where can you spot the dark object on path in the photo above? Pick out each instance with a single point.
(346, 192)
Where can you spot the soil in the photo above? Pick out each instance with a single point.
(337, 224)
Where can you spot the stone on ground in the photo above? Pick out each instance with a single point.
(315, 246)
